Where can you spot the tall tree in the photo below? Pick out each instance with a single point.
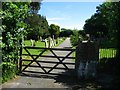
(115, 23)
(39, 27)
(98, 26)
(110, 12)
(44, 32)
(34, 7)
(54, 30)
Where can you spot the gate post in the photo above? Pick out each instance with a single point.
(77, 61)
(20, 60)
(87, 55)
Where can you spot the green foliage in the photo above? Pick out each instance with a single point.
(13, 27)
(106, 23)
(74, 38)
(65, 32)
(8, 71)
(54, 30)
(34, 7)
(44, 28)
(38, 26)
(82, 35)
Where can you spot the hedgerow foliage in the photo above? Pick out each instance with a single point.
(74, 38)
(13, 27)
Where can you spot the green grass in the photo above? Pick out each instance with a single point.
(38, 43)
(33, 51)
(36, 51)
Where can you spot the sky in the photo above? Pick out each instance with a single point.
(69, 15)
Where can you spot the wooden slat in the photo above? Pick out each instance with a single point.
(60, 49)
(50, 56)
(47, 67)
(49, 62)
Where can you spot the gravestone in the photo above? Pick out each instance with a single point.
(46, 43)
(32, 42)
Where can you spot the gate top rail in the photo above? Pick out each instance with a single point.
(60, 49)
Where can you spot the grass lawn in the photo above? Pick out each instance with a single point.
(33, 51)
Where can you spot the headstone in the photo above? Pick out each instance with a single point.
(46, 43)
(50, 42)
(32, 42)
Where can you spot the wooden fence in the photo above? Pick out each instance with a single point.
(107, 53)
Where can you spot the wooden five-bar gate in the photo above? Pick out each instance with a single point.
(37, 60)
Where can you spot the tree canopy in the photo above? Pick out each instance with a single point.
(106, 23)
(54, 30)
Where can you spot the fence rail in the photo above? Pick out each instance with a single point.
(107, 53)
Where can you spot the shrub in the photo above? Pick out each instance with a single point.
(13, 27)
(74, 38)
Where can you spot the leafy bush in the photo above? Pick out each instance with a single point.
(8, 71)
(74, 38)
(13, 27)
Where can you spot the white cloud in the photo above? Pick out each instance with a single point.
(78, 26)
(53, 22)
(52, 19)
(59, 21)
(73, 26)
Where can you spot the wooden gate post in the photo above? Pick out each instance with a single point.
(87, 55)
(77, 61)
(20, 60)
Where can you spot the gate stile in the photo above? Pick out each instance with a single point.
(34, 59)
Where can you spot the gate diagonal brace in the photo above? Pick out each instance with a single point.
(60, 60)
(34, 60)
